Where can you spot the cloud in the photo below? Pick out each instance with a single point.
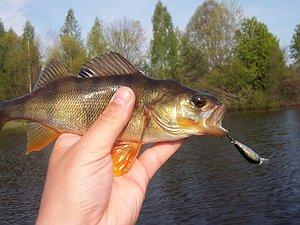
(13, 14)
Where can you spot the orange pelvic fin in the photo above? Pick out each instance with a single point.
(124, 155)
(39, 136)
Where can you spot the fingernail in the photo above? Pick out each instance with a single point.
(122, 96)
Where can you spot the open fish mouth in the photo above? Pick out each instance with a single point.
(215, 121)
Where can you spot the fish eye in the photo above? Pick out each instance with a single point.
(198, 101)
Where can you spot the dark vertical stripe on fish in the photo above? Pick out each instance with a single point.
(79, 86)
(51, 97)
(89, 109)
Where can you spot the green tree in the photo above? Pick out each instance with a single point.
(259, 51)
(2, 33)
(72, 53)
(295, 45)
(71, 26)
(28, 32)
(13, 78)
(71, 50)
(127, 37)
(32, 57)
(2, 30)
(96, 43)
(255, 76)
(193, 65)
(2, 57)
(256, 72)
(211, 30)
(164, 44)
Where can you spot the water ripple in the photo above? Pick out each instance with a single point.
(206, 182)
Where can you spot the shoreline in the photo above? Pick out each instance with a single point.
(281, 107)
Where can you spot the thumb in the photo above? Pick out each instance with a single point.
(100, 138)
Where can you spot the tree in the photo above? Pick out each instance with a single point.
(13, 77)
(259, 51)
(258, 67)
(72, 53)
(51, 46)
(71, 26)
(164, 44)
(295, 45)
(32, 60)
(28, 32)
(127, 37)
(193, 65)
(71, 50)
(2, 33)
(2, 58)
(211, 30)
(96, 43)
(2, 30)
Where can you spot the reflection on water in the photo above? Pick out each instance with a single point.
(206, 182)
(21, 180)
(209, 182)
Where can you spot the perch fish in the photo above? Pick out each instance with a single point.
(65, 103)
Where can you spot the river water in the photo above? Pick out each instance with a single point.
(206, 182)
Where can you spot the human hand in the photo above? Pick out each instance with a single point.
(80, 187)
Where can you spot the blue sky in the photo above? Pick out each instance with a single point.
(281, 16)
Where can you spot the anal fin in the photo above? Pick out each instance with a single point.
(39, 136)
(124, 155)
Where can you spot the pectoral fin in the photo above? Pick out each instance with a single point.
(124, 155)
(39, 136)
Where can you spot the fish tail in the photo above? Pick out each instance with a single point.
(4, 118)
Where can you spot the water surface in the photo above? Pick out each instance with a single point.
(206, 182)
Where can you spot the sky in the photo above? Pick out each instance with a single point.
(281, 16)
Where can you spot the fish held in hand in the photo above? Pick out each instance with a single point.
(64, 103)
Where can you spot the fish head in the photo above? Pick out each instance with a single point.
(200, 113)
(185, 112)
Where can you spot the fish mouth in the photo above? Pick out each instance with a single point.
(215, 121)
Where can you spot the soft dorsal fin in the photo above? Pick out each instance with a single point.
(39, 136)
(52, 71)
(109, 64)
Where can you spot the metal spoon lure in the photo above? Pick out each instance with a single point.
(247, 152)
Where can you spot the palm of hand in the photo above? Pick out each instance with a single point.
(97, 195)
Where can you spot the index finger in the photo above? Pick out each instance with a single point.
(153, 158)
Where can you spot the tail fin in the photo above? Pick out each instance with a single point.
(3, 116)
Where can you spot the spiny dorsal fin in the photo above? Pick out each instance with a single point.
(52, 71)
(109, 64)
(39, 136)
